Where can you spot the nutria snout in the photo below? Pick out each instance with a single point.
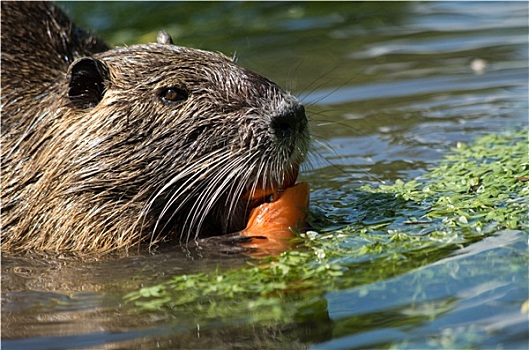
(105, 149)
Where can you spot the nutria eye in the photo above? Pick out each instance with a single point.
(173, 95)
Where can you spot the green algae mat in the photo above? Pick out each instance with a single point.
(439, 261)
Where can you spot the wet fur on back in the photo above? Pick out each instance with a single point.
(103, 149)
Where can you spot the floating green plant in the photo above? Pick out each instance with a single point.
(476, 191)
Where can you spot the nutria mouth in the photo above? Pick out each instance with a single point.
(258, 194)
(221, 204)
(109, 148)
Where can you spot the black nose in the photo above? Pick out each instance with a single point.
(291, 121)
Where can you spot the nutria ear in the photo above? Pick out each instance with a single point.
(164, 38)
(87, 82)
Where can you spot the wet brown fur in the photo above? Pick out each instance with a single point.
(96, 159)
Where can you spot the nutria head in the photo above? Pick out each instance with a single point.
(150, 143)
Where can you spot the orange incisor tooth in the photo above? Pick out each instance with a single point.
(273, 222)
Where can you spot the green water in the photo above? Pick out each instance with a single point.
(390, 89)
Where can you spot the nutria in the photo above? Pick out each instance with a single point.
(112, 148)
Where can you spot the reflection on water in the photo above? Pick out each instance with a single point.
(389, 88)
